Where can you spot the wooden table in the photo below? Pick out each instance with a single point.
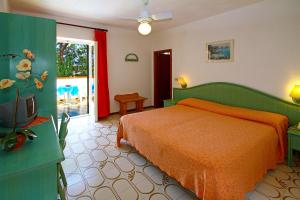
(30, 172)
(127, 98)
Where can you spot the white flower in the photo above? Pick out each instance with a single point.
(25, 51)
(6, 83)
(24, 65)
(23, 75)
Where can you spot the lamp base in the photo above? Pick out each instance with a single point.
(296, 100)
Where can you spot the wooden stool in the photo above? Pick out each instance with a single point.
(127, 98)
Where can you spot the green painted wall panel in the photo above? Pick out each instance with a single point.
(20, 32)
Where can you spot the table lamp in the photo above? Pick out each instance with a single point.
(295, 94)
(181, 81)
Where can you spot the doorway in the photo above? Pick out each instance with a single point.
(162, 77)
(75, 77)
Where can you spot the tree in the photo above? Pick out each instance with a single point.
(71, 59)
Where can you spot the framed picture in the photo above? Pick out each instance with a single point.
(220, 51)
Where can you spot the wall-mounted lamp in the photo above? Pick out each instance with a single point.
(295, 94)
(180, 80)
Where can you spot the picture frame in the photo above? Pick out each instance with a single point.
(220, 51)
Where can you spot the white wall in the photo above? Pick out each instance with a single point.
(4, 6)
(127, 77)
(123, 77)
(267, 41)
(267, 47)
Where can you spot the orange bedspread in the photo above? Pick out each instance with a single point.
(218, 151)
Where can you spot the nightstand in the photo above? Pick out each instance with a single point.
(170, 102)
(293, 142)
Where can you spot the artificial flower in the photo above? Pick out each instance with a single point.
(25, 51)
(24, 65)
(28, 54)
(38, 84)
(23, 75)
(44, 75)
(6, 83)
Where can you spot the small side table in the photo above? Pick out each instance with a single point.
(170, 102)
(293, 142)
(124, 99)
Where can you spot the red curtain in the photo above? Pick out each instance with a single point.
(103, 93)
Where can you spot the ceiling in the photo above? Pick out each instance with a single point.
(110, 12)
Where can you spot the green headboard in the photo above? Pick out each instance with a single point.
(241, 96)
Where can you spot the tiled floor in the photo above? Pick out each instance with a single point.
(75, 108)
(96, 170)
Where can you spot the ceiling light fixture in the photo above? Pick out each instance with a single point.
(144, 28)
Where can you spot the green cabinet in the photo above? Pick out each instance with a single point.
(293, 142)
(30, 173)
(170, 102)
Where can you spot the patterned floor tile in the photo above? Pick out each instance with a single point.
(104, 193)
(142, 183)
(177, 193)
(96, 170)
(137, 159)
(69, 165)
(102, 141)
(84, 160)
(73, 138)
(77, 148)
(155, 174)
(85, 198)
(158, 196)
(90, 144)
(93, 177)
(76, 185)
(67, 152)
(110, 171)
(124, 164)
(99, 155)
(125, 190)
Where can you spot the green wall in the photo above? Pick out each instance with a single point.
(20, 32)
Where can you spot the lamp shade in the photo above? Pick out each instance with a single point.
(180, 80)
(144, 28)
(295, 94)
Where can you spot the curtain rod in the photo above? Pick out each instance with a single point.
(82, 26)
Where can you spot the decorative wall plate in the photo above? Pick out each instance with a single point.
(131, 57)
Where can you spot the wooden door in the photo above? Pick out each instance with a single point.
(162, 77)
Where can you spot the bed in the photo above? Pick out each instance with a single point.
(218, 151)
